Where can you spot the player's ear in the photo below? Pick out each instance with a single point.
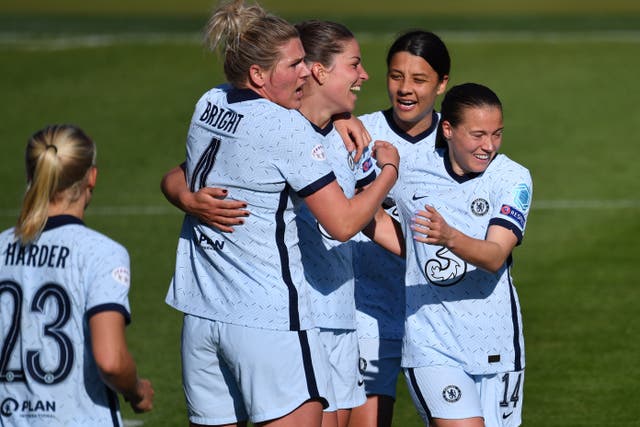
(92, 177)
(318, 72)
(256, 75)
(447, 129)
(442, 86)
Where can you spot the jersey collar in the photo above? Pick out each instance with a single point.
(238, 95)
(388, 115)
(457, 178)
(60, 220)
(322, 131)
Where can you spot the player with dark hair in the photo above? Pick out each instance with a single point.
(64, 298)
(418, 65)
(463, 208)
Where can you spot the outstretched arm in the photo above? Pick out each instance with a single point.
(207, 204)
(343, 217)
(115, 363)
(489, 254)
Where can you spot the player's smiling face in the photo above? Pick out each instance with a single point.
(345, 77)
(283, 83)
(413, 86)
(475, 141)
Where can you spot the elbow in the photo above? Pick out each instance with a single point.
(494, 267)
(341, 232)
(110, 365)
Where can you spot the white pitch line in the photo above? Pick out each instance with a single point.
(549, 205)
(34, 41)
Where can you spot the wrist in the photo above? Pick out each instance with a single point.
(395, 168)
(184, 200)
(134, 396)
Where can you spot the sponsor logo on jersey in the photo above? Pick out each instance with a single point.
(205, 242)
(351, 163)
(416, 197)
(446, 269)
(479, 207)
(522, 197)
(451, 393)
(121, 275)
(513, 213)
(318, 153)
(27, 408)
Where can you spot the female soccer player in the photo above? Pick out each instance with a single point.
(63, 298)
(466, 207)
(249, 348)
(333, 57)
(418, 65)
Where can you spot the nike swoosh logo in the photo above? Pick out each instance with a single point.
(418, 197)
(360, 383)
(505, 416)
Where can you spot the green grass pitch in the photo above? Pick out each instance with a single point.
(129, 73)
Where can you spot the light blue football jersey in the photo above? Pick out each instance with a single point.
(48, 291)
(457, 314)
(379, 274)
(327, 263)
(265, 155)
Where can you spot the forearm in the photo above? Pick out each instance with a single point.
(386, 232)
(484, 254)
(343, 217)
(122, 377)
(174, 187)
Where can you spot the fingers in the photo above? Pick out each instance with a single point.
(145, 390)
(366, 136)
(224, 220)
(220, 193)
(361, 141)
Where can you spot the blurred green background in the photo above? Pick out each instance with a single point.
(567, 72)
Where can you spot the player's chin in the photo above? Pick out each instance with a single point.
(294, 103)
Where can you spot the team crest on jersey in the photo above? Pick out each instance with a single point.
(362, 365)
(513, 213)
(318, 153)
(479, 207)
(121, 275)
(522, 197)
(446, 269)
(451, 393)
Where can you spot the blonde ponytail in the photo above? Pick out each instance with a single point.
(57, 158)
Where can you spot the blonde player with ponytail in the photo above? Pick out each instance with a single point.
(63, 298)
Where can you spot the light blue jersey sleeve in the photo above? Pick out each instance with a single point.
(514, 191)
(108, 278)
